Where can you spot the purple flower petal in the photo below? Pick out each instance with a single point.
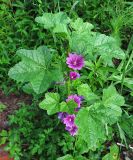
(74, 75)
(82, 98)
(76, 98)
(62, 115)
(72, 130)
(77, 109)
(69, 120)
(75, 61)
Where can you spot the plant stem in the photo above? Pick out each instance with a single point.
(68, 87)
(74, 149)
(124, 71)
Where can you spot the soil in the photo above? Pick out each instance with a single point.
(4, 155)
(12, 102)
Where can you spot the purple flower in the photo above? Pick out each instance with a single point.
(72, 130)
(62, 115)
(76, 98)
(69, 120)
(77, 109)
(74, 75)
(75, 61)
(82, 98)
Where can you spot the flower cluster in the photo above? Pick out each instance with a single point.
(68, 120)
(76, 99)
(75, 62)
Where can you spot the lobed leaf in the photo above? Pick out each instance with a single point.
(109, 110)
(90, 129)
(58, 22)
(51, 103)
(114, 153)
(35, 68)
(84, 90)
(81, 26)
(92, 45)
(126, 124)
(107, 48)
(111, 97)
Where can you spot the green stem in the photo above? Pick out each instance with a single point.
(68, 87)
(59, 6)
(74, 149)
(124, 71)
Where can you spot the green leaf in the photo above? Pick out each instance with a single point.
(113, 155)
(81, 26)
(112, 101)
(111, 97)
(51, 103)
(3, 137)
(82, 43)
(84, 90)
(128, 82)
(2, 107)
(80, 158)
(111, 114)
(122, 134)
(126, 124)
(41, 56)
(60, 28)
(81, 146)
(71, 106)
(106, 114)
(27, 88)
(107, 48)
(66, 157)
(90, 129)
(64, 107)
(91, 121)
(58, 21)
(47, 20)
(68, 107)
(69, 157)
(35, 68)
(93, 45)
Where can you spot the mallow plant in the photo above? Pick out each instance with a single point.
(73, 69)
